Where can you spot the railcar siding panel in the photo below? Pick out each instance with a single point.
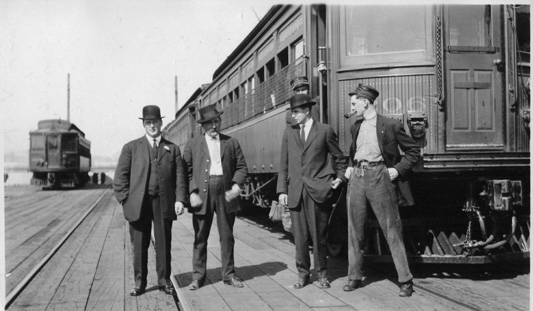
(398, 96)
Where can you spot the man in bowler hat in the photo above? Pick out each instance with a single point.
(151, 184)
(300, 85)
(306, 181)
(376, 168)
(217, 171)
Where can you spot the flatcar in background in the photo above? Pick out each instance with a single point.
(60, 155)
(456, 76)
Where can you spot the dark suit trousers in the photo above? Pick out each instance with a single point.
(140, 232)
(310, 218)
(202, 227)
(376, 188)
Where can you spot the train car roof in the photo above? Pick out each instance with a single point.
(57, 125)
(249, 38)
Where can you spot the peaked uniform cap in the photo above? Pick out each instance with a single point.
(365, 91)
(299, 81)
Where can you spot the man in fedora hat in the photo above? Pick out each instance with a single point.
(217, 171)
(306, 181)
(376, 168)
(151, 184)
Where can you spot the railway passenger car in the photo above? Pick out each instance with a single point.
(60, 155)
(456, 76)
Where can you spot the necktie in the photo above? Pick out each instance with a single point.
(302, 134)
(154, 150)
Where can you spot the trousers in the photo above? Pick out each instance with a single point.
(375, 187)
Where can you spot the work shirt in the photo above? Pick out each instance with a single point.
(367, 142)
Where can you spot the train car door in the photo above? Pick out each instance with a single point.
(473, 62)
(54, 157)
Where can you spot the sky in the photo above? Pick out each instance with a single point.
(121, 56)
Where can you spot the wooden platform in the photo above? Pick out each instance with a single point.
(265, 261)
(93, 271)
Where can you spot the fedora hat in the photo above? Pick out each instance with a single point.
(299, 81)
(300, 100)
(365, 91)
(151, 112)
(208, 113)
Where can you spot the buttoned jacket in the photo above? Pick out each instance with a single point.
(198, 160)
(130, 182)
(307, 165)
(391, 138)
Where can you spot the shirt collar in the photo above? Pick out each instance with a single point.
(151, 139)
(307, 123)
(212, 138)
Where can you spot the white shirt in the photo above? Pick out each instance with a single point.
(213, 144)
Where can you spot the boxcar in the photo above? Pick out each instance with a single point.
(60, 155)
(457, 77)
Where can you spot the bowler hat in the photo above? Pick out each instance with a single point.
(300, 100)
(299, 81)
(365, 91)
(209, 113)
(151, 112)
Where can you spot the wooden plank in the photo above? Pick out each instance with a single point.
(107, 291)
(73, 291)
(40, 291)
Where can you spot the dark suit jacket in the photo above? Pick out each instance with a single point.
(309, 165)
(131, 177)
(392, 135)
(198, 160)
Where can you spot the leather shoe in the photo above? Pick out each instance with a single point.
(167, 289)
(323, 283)
(301, 283)
(352, 285)
(137, 291)
(235, 282)
(195, 284)
(406, 290)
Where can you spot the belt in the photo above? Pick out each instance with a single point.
(368, 165)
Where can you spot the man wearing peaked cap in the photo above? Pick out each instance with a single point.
(300, 85)
(151, 184)
(376, 168)
(306, 181)
(217, 171)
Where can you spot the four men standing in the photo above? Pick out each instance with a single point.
(154, 183)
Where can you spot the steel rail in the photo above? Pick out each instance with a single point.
(13, 294)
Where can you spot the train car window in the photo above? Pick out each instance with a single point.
(53, 142)
(37, 143)
(298, 50)
(271, 68)
(261, 75)
(251, 84)
(68, 143)
(374, 35)
(384, 29)
(236, 92)
(523, 27)
(283, 58)
(470, 25)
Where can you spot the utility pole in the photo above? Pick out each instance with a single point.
(68, 97)
(176, 94)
